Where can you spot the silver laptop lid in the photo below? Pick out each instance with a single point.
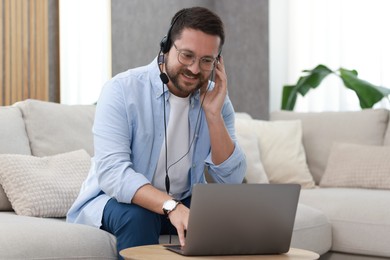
(235, 219)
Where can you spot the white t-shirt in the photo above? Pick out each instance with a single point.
(178, 135)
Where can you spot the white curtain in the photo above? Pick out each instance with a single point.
(85, 49)
(353, 34)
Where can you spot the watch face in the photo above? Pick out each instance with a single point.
(169, 205)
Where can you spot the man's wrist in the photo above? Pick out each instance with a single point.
(169, 206)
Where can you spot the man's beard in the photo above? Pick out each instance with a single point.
(174, 78)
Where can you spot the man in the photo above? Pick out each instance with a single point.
(156, 128)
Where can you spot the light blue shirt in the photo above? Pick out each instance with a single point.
(128, 134)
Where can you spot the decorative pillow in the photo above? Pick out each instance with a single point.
(282, 152)
(358, 166)
(255, 172)
(43, 186)
(322, 129)
(243, 115)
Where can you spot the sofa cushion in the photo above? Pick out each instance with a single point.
(247, 140)
(255, 172)
(24, 237)
(360, 218)
(312, 230)
(13, 136)
(43, 186)
(358, 166)
(281, 149)
(56, 128)
(322, 129)
(243, 115)
(13, 139)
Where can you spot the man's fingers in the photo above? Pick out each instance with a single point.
(179, 218)
(182, 238)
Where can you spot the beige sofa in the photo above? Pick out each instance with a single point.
(348, 155)
(45, 151)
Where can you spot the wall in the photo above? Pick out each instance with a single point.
(246, 52)
(139, 25)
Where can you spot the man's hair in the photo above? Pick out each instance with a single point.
(197, 18)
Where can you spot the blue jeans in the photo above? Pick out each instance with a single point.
(133, 225)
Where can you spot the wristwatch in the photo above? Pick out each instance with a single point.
(169, 206)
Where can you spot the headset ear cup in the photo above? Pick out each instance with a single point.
(165, 44)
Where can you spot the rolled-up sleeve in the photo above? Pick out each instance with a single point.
(233, 169)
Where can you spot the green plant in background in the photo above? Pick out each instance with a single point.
(367, 93)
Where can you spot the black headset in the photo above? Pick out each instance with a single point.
(166, 41)
(165, 45)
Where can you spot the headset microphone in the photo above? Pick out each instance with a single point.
(164, 78)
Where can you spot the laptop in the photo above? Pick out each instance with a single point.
(240, 219)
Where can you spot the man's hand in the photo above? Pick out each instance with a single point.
(152, 199)
(222, 145)
(214, 99)
(179, 219)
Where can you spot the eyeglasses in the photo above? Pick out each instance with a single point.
(187, 58)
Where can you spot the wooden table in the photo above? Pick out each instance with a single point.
(158, 252)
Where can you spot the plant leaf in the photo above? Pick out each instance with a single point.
(313, 79)
(304, 84)
(289, 97)
(367, 93)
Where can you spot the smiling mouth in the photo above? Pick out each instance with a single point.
(190, 75)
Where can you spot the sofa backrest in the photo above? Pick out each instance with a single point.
(13, 136)
(386, 142)
(41, 128)
(322, 129)
(13, 140)
(54, 128)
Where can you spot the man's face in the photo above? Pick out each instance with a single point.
(184, 80)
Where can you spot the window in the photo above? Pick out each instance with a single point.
(85, 49)
(337, 33)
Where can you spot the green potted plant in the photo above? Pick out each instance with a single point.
(367, 93)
